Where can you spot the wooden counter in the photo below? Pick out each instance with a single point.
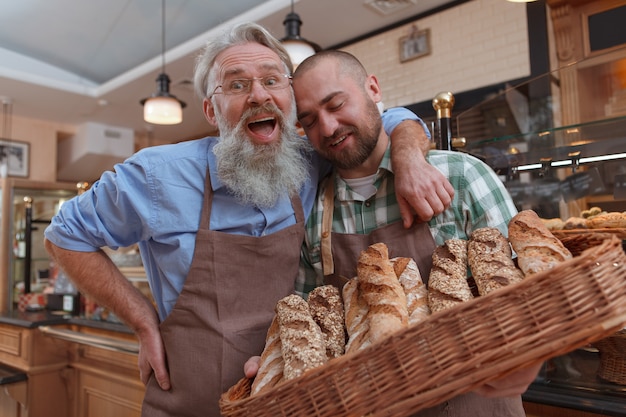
(73, 368)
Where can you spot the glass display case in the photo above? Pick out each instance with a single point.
(558, 142)
(26, 208)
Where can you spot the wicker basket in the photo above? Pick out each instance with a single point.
(576, 243)
(454, 351)
(613, 358)
(618, 232)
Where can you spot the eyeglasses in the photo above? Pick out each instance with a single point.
(244, 85)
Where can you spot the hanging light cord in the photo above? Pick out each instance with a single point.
(163, 37)
(6, 116)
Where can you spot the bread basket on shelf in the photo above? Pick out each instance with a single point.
(613, 358)
(576, 243)
(546, 315)
(606, 233)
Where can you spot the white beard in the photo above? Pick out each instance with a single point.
(261, 174)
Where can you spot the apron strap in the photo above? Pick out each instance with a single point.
(328, 265)
(207, 202)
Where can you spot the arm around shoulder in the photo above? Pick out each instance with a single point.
(420, 188)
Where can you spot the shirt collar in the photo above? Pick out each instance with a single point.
(384, 168)
(216, 183)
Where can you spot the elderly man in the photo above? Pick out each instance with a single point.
(219, 223)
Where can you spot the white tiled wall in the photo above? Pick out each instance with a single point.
(475, 44)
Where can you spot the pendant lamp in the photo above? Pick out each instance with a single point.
(297, 47)
(163, 108)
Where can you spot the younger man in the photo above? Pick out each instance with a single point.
(356, 206)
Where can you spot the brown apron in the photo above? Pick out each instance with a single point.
(222, 315)
(340, 253)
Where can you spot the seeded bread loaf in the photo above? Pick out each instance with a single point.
(490, 260)
(302, 342)
(447, 283)
(326, 309)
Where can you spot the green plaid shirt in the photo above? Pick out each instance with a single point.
(480, 200)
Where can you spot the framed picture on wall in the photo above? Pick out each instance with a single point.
(14, 158)
(415, 45)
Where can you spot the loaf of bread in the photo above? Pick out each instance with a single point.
(554, 224)
(490, 260)
(536, 247)
(416, 293)
(607, 221)
(575, 223)
(302, 342)
(447, 282)
(271, 367)
(326, 309)
(381, 290)
(357, 325)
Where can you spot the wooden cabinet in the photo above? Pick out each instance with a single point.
(46, 392)
(107, 381)
(104, 373)
(72, 371)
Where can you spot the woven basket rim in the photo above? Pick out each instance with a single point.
(591, 332)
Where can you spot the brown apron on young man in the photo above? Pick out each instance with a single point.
(221, 317)
(340, 254)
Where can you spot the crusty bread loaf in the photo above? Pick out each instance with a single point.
(447, 282)
(381, 290)
(327, 310)
(607, 221)
(554, 224)
(271, 367)
(416, 293)
(357, 325)
(490, 260)
(536, 247)
(302, 342)
(575, 223)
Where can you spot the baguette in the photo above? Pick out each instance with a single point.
(302, 342)
(327, 311)
(447, 282)
(607, 221)
(357, 325)
(536, 247)
(271, 367)
(416, 293)
(381, 290)
(490, 260)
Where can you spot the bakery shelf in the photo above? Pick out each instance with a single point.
(539, 136)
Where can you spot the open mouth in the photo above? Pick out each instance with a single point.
(263, 127)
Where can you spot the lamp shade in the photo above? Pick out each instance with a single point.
(297, 47)
(298, 50)
(162, 110)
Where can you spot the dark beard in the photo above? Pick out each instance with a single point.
(261, 174)
(367, 138)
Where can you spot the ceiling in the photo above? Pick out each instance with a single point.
(74, 61)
